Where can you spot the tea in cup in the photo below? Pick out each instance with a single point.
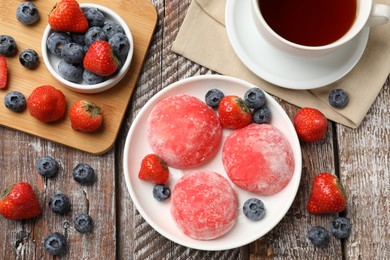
(315, 27)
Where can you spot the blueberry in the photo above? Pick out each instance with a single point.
(161, 192)
(29, 58)
(7, 45)
(56, 41)
(15, 101)
(83, 223)
(83, 173)
(120, 44)
(78, 38)
(47, 166)
(121, 62)
(213, 97)
(261, 115)
(55, 243)
(94, 34)
(94, 17)
(111, 28)
(59, 203)
(71, 72)
(27, 13)
(340, 227)
(254, 209)
(72, 53)
(338, 98)
(85, 48)
(319, 236)
(92, 78)
(254, 98)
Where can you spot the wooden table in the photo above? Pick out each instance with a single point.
(360, 157)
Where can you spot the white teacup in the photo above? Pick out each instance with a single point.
(367, 14)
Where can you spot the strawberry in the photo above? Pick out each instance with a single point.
(153, 169)
(100, 59)
(85, 116)
(234, 113)
(3, 72)
(327, 195)
(67, 16)
(46, 103)
(310, 124)
(19, 202)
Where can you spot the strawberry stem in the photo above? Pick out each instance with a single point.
(6, 192)
(91, 109)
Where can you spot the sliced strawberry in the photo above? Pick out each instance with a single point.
(3, 72)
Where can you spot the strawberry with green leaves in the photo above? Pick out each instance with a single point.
(85, 116)
(3, 72)
(19, 202)
(67, 16)
(327, 195)
(153, 169)
(100, 59)
(234, 113)
(310, 124)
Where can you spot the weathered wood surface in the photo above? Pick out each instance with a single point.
(360, 157)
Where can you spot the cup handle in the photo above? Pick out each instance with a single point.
(380, 14)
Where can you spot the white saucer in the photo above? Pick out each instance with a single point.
(283, 69)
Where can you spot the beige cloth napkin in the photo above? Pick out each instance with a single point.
(203, 39)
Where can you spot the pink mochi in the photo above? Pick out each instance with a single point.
(183, 131)
(258, 158)
(204, 205)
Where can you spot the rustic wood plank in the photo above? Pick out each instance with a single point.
(130, 221)
(364, 168)
(24, 239)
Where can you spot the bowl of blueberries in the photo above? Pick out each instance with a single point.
(63, 52)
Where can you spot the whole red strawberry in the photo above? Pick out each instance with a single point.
(153, 169)
(46, 103)
(100, 59)
(327, 195)
(234, 113)
(3, 72)
(85, 116)
(67, 16)
(19, 202)
(310, 124)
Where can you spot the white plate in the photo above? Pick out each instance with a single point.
(280, 68)
(158, 215)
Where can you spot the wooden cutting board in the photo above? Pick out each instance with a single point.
(140, 16)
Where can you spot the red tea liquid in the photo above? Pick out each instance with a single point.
(309, 22)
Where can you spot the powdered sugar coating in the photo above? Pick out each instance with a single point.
(258, 158)
(204, 205)
(183, 131)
